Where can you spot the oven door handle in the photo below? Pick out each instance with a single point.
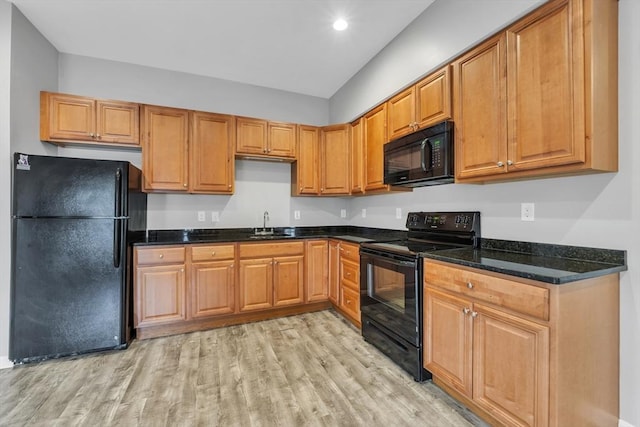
(389, 259)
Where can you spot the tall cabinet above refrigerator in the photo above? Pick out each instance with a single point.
(72, 224)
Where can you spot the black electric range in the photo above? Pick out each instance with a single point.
(391, 282)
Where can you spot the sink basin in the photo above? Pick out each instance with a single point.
(269, 236)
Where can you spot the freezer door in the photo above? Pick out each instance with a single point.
(67, 295)
(45, 186)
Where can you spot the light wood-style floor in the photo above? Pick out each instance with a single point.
(308, 370)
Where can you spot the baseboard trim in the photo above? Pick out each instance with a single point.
(623, 423)
(5, 363)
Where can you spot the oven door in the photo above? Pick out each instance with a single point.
(389, 293)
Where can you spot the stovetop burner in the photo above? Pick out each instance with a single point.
(433, 231)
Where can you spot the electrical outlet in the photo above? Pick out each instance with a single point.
(215, 216)
(201, 216)
(364, 213)
(398, 213)
(527, 212)
(343, 213)
(296, 214)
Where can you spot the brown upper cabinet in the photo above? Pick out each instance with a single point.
(421, 105)
(334, 163)
(322, 167)
(375, 136)
(541, 97)
(79, 119)
(169, 134)
(262, 138)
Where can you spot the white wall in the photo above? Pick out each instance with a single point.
(5, 177)
(595, 210)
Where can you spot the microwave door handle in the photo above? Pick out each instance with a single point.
(423, 156)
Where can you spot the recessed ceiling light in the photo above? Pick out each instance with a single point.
(340, 25)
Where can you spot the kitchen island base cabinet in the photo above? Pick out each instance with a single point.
(520, 352)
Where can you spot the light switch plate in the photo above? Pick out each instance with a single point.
(201, 216)
(296, 214)
(364, 213)
(343, 213)
(215, 216)
(398, 213)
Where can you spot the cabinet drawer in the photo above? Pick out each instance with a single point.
(350, 251)
(212, 253)
(349, 274)
(160, 255)
(350, 302)
(261, 250)
(516, 296)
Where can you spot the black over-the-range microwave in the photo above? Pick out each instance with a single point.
(421, 158)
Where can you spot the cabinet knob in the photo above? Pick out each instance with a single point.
(184, 185)
(300, 188)
(213, 253)
(509, 163)
(469, 285)
(500, 164)
(182, 270)
(474, 314)
(466, 310)
(98, 136)
(348, 301)
(348, 274)
(231, 266)
(229, 186)
(161, 255)
(92, 135)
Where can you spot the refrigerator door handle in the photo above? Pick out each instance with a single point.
(117, 242)
(118, 193)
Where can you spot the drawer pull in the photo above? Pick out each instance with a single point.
(469, 285)
(213, 253)
(161, 255)
(466, 310)
(474, 314)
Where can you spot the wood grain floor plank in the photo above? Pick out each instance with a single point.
(307, 370)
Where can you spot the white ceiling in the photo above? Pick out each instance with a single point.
(280, 44)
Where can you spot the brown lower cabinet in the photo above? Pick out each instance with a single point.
(183, 288)
(344, 279)
(520, 352)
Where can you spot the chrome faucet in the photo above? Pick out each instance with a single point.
(264, 231)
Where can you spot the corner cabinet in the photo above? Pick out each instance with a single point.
(316, 265)
(541, 97)
(520, 352)
(78, 119)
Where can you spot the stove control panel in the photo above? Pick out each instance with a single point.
(444, 221)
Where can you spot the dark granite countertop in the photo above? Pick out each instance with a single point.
(555, 264)
(213, 235)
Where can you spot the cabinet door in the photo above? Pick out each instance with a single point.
(448, 339)
(256, 284)
(545, 74)
(433, 98)
(288, 280)
(211, 154)
(251, 136)
(334, 271)
(118, 122)
(510, 367)
(350, 303)
(164, 156)
(357, 157)
(334, 164)
(159, 295)
(401, 113)
(212, 288)
(479, 92)
(69, 117)
(307, 168)
(282, 139)
(375, 136)
(316, 264)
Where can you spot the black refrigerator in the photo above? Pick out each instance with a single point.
(72, 224)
